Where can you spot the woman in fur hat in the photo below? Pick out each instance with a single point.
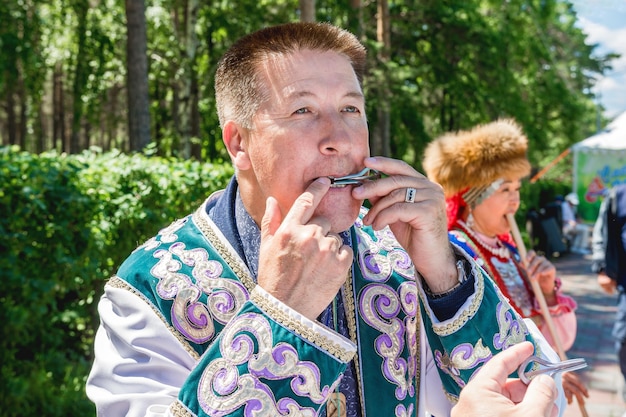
(480, 171)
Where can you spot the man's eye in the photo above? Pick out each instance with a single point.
(351, 109)
(302, 111)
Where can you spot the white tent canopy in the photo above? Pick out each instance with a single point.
(599, 164)
(610, 139)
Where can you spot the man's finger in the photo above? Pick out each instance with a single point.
(303, 208)
(272, 218)
(506, 362)
(541, 395)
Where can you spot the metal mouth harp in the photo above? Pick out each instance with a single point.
(359, 178)
(547, 367)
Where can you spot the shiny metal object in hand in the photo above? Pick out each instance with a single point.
(367, 174)
(547, 367)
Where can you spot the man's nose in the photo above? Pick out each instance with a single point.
(335, 134)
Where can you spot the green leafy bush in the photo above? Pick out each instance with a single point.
(66, 222)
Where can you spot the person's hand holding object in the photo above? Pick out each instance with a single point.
(492, 393)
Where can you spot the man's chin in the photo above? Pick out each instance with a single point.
(341, 219)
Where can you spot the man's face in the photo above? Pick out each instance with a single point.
(313, 124)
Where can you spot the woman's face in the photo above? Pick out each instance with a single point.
(490, 215)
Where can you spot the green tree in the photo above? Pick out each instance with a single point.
(438, 65)
(22, 74)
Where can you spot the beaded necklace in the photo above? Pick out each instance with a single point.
(498, 250)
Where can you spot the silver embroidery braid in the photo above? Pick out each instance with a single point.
(350, 309)
(303, 331)
(229, 257)
(450, 328)
(179, 410)
(418, 356)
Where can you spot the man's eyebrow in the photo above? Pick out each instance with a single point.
(355, 94)
(307, 93)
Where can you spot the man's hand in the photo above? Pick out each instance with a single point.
(491, 394)
(301, 263)
(420, 226)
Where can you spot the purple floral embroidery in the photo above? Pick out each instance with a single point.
(247, 340)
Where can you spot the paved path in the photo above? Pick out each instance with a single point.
(596, 312)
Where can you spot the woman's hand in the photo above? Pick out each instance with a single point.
(573, 386)
(544, 272)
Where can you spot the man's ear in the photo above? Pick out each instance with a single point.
(235, 138)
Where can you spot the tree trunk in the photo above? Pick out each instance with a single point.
(307, 10)
(187, 94)
(137, 77)
(88, 130)
(355, 18)
(111, 127)
(58, 108)
(381, 135)
(210, 144)
(196, 145)
(80, 75)
(11, 116)
(161, 109)
(40, 131)
(23, 113)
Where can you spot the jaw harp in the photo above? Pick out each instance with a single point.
(359, 178)
(547, 367)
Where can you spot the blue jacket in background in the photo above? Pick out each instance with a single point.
(609, 236)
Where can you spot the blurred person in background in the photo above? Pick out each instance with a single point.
(609, 261)
(481, 171)
(576, 232)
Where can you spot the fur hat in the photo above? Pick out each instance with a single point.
(477, 157)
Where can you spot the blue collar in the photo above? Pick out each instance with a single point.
(230, 216)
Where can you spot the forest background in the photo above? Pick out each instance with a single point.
(109, 131)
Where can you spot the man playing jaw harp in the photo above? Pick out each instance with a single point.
(281, 294)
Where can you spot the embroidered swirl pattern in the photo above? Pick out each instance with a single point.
(463, 357)
(410, 304)
(511, 330)
(165, 235)
(223, 390)
(381, 305)
(191, 317)
(402, 411)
